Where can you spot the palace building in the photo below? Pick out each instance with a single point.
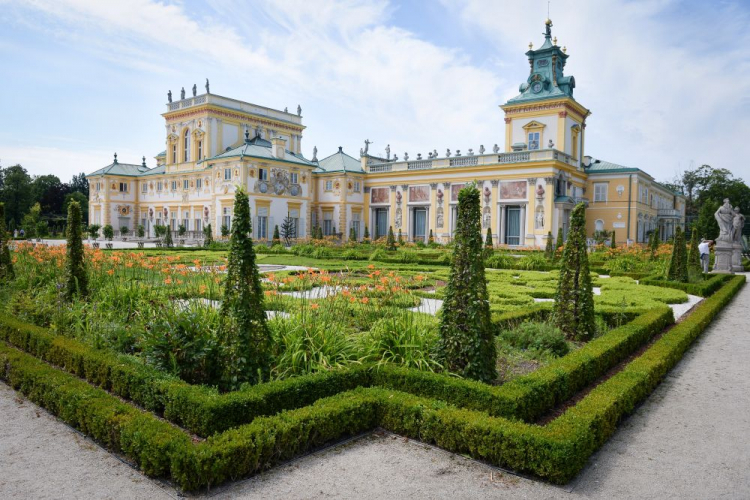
(215, 144)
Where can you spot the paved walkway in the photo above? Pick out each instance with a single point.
(688, 440)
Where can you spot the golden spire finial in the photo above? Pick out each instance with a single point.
(548, 21)
(565, 50)
(554, 41)
(531, 45)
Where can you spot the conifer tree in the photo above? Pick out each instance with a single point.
(560, 242)
(654, 244)
(574, 300)
(208, 236)
(333, 232)
(76, 279)
(488, 243)
(6, 262)
(366, 236)
(276, 240)
(467, 343)
(352, 234)
(391, 241)
(400, 238)
(694, 256)
(678, 263)
(245, 336)
(613, 241)
(549, 249)
(168, 237)
(431, 238)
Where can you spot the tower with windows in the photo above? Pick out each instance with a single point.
(545, 115)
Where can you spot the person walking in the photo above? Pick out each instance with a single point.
(705, 252)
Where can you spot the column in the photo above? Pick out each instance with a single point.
(447, 210)
(392, 210)
(503, 218)
(432, 212)
(524, 224)
(493, 209)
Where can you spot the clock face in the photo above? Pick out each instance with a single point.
(536, 87)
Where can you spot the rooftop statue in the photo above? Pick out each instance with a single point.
(447, 153)
(434, 153)
(481, 149)
(388, 152)
(299, 110)
(207, 87)
(315, 153)
(182, 93)
(195, 90)
(495, 148)
(406, 156)
(169, 96)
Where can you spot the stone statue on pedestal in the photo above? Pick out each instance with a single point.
(725, 217)
(728, 247)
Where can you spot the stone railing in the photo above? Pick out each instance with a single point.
(668, 213)
(226, 102)
(473, 160)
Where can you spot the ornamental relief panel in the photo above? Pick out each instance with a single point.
(279, 183)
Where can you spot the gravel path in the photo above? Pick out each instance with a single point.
(688, 440)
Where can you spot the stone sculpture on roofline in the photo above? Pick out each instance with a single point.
(729, 242)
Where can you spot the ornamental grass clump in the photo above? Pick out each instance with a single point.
(574, 300)
(76, 279)
(678, 269)
(467, 343)
(6, 263)
(244, 333)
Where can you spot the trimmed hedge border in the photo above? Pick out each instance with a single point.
(204, 412)
(704, 289)
(555, 452)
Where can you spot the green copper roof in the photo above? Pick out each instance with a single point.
(260, 148)
(339, 162)
(546, 79)
(155, 171)
(605, 167)
(127, 169)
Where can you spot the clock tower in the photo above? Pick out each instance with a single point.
(545, 115)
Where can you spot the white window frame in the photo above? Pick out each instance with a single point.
(294, 178)
(329, 186)
(124, 187)
(198, 183)
(597, 197)
(227, 174)
(262, 174)
(144, 187)
(185, 184)
(534, 138)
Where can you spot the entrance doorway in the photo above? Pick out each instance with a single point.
(419, 224)
(513, 225)
(381, 223)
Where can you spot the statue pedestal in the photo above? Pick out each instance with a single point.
(737, 266)
(723, 258)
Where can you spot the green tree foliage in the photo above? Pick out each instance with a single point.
(574, 299)
(694, 256)
(352, 234)
(140, 231)
(76, 277)
(560, 242)
(366, 235)
(224, 231)
(488, 243)
(706, 224)
(400, 238)
(467, 343)
(16, 193)
(31, 222)
(6, 263)
(549, 249)
(276, 240)
(82, 200)
(678, 270)
(289, 230)
(108, 232)
(653, 243)
(168, 242)
(431, 238)
(93, 231)
(390, 243)
(613, 241)
(245, 336)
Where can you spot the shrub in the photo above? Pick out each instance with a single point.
(391, 242)
(181, 230)
(613, 241)
(276, 240)
(224, 231)
(245, 337)
(467, 345)
(678, 263)
(140, 231)
(168, 237)
(574, 300)
(366, 235)
(403, 339)
(560, 241)
(540, 336)
(76, 277)
(6, 263)
(694, 257)
(124, 230)
(549, 249)
(208, 235)
(400, 238)
(108, 232)
(93, 231)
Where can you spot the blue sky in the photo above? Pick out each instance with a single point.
(668, 81)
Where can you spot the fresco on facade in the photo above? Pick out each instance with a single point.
(379, 195)
(455, 188)
(419, 194)
(513, 190)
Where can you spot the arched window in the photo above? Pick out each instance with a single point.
(599, 225)
(186, 146)
(174, 151)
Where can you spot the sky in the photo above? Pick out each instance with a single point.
(667, 81)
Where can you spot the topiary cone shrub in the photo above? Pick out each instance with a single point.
(391, 241)
(549, 249)
(559, 243)
(694, 256)
(244, 334)
(400, 238)
(276, 240)
(574, 299)
(431, 238)
(208, 235)
(678, 269)
(467, 343)
(6, 263)
(613, 241)
(366, 235)
(76, 279)
(168, 237)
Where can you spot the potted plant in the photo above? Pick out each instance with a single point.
(124, 230)
(181, 230)
(140, 232)
(93, 231)
(109, 233)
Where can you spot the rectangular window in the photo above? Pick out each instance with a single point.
(173, 222)
(600, 191)
(144, 187)
(185, 184)
(174, 185)
(355, 225)
(294, 177)
(198, 183)
(533, 140)
(262, 174)
(262, 224)
(294, 216)
(356, 186)
(227, 174)
(329, 185)
(327, 223)
(123, 187)
(227, 217)
(159, 185)
(197, 225)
